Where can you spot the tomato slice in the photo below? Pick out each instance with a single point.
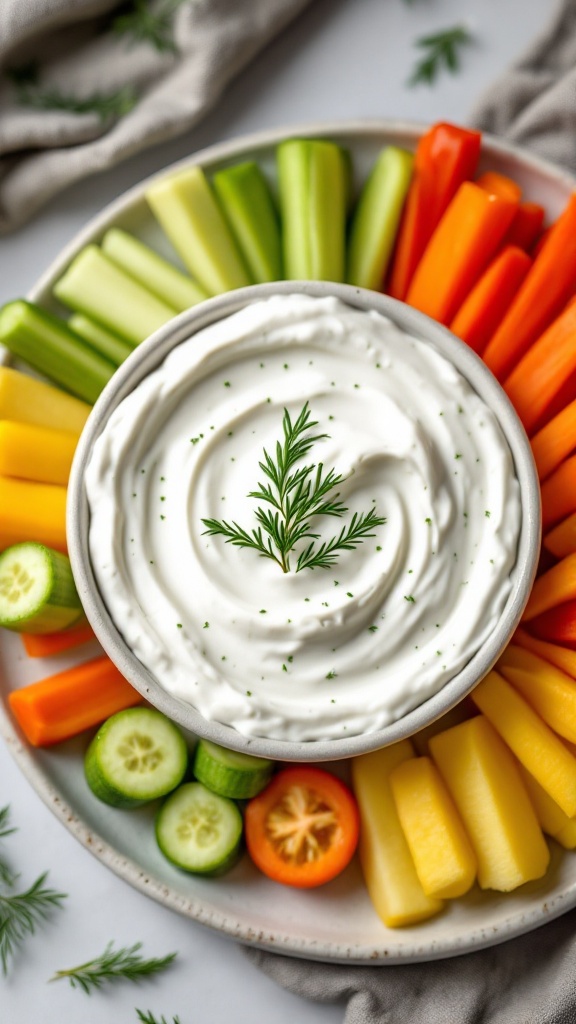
(302, 829)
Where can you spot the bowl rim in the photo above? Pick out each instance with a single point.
(144, 360)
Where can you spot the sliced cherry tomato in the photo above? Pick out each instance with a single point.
(302, 829)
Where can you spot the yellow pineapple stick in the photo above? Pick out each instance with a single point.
(541, 752)
(388, 868)
(552, 819)
(36, 453)
(31, 511)
(441, 851)
(483, 779)
(547, 689)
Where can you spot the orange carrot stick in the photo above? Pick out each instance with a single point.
(460, 248)
(555, 587)
(557, 625)
(485, 306)
(561, 541)
(445, 157)
(44, 645)
(562, 657)
(541, 373)
(544, 293)
(559, 493)
(70, 702)
(526, 227)
(555, 441)
(500, 185)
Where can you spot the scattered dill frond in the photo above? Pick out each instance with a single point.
(147, 22)
(148, 1018)
(442, 53)
(113, 964)
(20, 913)
(7, 876)
(108, 106)
(296, 495)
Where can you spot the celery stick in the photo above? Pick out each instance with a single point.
(188, 211)
(158, 275)
(49, 346)
(246, 200)
(106, 343)
(313, 182)
(95, 286)
(376, 218)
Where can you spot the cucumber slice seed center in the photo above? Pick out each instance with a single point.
(201, 824)
(15, 581)
(139, 753)
(301, 826)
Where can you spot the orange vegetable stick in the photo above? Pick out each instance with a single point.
(557, 625)
(555, 441)
(541, 242)
(545, 291)
(542, 371)
(500, 185)
(36, 453)
(561, 541)
(32, 511)
(526, 226)
(555, 587)
(445, 157)
(559, 493)
(44, 645)
(70, 702)
(484, 307)
(562, 657)
(465, 240)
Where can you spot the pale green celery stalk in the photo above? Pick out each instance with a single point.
(376, 218)
(100, 338)
(188, 211)
(247, 203)
(95, 286)
(162, 278)
(47, 344)
(313, 178)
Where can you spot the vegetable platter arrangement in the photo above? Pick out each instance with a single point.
(480, 804)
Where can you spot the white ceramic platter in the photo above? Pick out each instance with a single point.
(335, 923)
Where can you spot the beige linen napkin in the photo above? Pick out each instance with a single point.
(86, 83)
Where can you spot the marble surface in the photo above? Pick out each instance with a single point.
(341, 59)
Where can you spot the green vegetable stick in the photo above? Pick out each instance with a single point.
(376, 218)
(313, 182)
(162, 278)
(246, 200)
(189, 213)
(95, 286)
(47, 344)
(110, 345)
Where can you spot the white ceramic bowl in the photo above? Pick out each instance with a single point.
(145, 359)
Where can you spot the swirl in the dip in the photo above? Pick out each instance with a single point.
(321, 653)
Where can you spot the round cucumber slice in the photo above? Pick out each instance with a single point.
(199, 831)
(37, 590)
(138, 755)
(230, 773)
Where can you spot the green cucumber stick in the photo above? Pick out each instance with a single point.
(247, 203)
(313, 181)
(95, 286)
(376, 218)
(162, 278)
(188, 211)
(48, 345)
(110, 345)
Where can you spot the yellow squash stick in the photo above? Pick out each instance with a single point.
(31, 511)
(36, 453)
(27, 400)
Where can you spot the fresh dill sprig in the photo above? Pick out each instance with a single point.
(296, 495)
(7, 876)
(147, 1017)
(107, 105)
(443, 52)
(20, 913)
(146, 22)
(114, 964)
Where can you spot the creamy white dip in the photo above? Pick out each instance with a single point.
(321, 653)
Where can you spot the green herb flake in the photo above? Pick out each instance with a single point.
(331, 674)
(372, 629)
(487, 514)
(206, 625)
(410, 598)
